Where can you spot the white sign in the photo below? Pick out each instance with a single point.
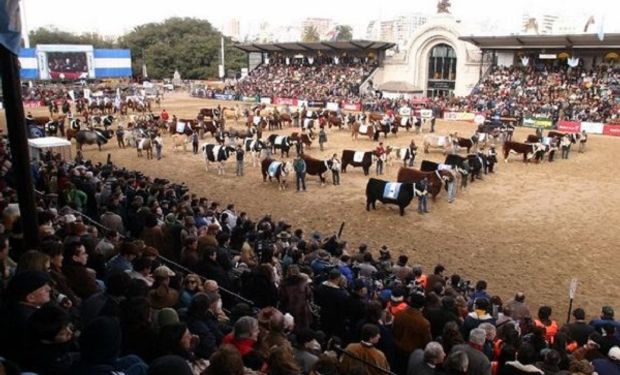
(479, 119)
(404, 111)
(572, 289)
(426, 113)
(331, 106)
(592, 127)
(547, 56)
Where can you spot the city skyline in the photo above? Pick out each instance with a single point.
(481, 16)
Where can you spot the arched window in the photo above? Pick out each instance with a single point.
(441, 70)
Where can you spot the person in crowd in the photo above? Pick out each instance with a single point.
(364, 355)
(544, 321)
(479, 364)
(425, 362)
(411, 330)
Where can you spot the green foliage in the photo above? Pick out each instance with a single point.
(344, 32)
(188, 44)
(310, 35)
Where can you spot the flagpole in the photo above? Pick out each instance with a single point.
(18, 140)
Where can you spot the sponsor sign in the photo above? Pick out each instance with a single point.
(283, 101)
(249, 99)
(547, 56)
(331, 106)
(404, 111)
(611, 130)
(538, 122)
(316, 103)
(569, 126)
(224, 96)
(460, 116)
(352, 106)
(265, 100)
(592, 127)
(32, 104)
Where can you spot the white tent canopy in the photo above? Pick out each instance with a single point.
(54, 144)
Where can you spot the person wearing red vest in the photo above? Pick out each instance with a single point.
(164, 115)
(544, 321)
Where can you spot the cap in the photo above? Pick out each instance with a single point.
(25, 283)
(608, 311)
(163, 271)
(284, 235)
(614, 353)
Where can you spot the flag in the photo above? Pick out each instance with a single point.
(601, 29)
(144, 72)
(10, 26)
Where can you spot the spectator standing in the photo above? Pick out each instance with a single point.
(411, 331)
(195, 142)
(360, 356)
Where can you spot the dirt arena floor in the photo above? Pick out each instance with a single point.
(526, 228)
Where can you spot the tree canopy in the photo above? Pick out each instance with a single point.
(344, 32)
(188, 44)
(310, 35)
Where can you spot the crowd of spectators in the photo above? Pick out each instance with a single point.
(304, 81)
(173, 283)
(556, 91)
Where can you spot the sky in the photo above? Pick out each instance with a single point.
(116, 17)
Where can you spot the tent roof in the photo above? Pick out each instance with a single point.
(565, 41)
(398, 86)
(352, 45)
(48, 142)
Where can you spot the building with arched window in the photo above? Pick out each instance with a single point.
(436, 61)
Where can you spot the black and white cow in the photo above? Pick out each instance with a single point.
(462, 167)
(402, 154)
(378, 190)
(280, 142)
(254, 148)
(217, 154)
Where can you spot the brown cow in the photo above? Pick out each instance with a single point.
(357, 127)
(365, 163)
(436, 179)
(521, 148)
(303, 138)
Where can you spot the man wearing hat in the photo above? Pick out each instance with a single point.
(25, 294)
(163, 295)
(609, 365)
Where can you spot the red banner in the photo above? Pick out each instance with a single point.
(611, 130)
(284, 101)
(569, 126)
(32, 103)
(352, 106)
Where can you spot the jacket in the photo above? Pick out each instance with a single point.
(299, 165)
(295, 298)
(479, 364)
(411, 330)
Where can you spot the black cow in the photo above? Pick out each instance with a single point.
(476, 166)
(216, 154)
(366, 163)
(462, 166)
(429, 166)
(375, 191)
(283, 143)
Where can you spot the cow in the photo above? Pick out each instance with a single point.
(304, 138)
(180, 140)
(527, 149)
(258, 121)
(574, 137)
(357, 129)
(435, 179)
(400, 194)
(275, 169)
(462, 166)
(357, 159)
(532, 138)
(468, 143)
(399, 153)
(95, 136)
(443, 142)
(403, 121)
(254, 147)
(281, 142)
(216, 154)
(316, 167)
(477, 163)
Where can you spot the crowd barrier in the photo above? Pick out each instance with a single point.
(589, 127)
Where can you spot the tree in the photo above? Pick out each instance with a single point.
(310, 35)
(51, 35)
(344, 32)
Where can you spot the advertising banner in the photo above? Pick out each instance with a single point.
(352, 106)
(404, 111)
(569, 126)
(426, 113)
(316, 104)
(331, 106)
(224, 96)
(538, 122)
(459, 116)
(265, 100)
(611, 130)
(249, 99)
(284, 101)
(592, 127)
(32, 103)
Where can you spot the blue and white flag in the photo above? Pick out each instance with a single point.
(10, 25)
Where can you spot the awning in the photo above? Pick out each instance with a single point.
(567, 41)
(352, 45)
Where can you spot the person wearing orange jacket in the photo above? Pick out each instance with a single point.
(544, 321)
